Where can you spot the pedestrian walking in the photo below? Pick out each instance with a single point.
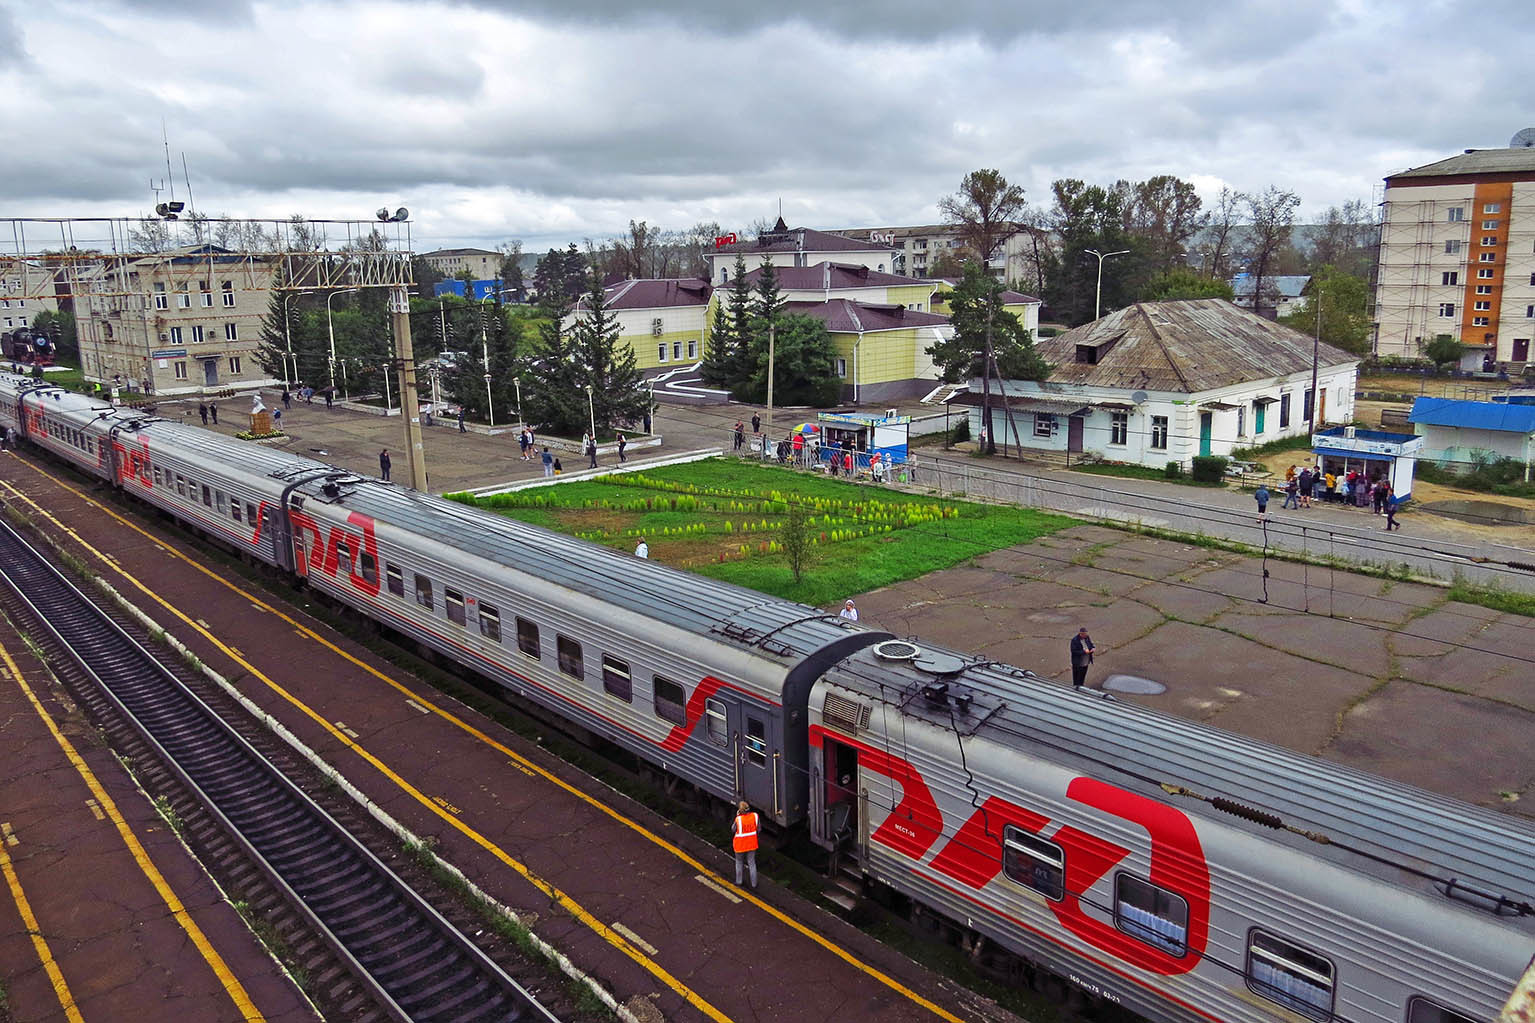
(743, 839)
(756, 424)
(1291, 492)
(849, 611)
(277, 419)
(642, 550)
(622, 443)
(213, 410)
(740, 434)
(1392, 504)
(287, 398)
(202, 411)
(1082, 650)
(1263, 501)
(591, 451)
(522, 444)
(1304, 489)
(548, 461)
(330, 397)
(383, 465)
(847, 463)
(461, 420)
(1378, 494)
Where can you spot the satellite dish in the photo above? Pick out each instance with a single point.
(1139, 397)
(1523, 139)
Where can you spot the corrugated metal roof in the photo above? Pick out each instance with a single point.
(1474, 161)
(827, 274)
(1475, 415)
(1187, 346)
(1398, 822)
(847, 316)
(802, 239)
(657, 293)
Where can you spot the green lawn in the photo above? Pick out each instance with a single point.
(723, 518)
(1141, 472)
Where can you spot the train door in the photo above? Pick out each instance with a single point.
(839, 824)
(758, 760)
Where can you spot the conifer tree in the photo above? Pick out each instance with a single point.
(726, 363)
(607, 366)
(553, 398)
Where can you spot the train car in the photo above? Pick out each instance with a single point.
(705, 680)
(1181, 871)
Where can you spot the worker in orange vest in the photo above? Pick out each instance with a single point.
(743, 834)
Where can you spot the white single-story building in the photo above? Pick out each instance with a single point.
(1161, 382)
(1456, 431)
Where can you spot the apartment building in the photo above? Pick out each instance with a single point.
(1457, 256)
(184, 321)
(27, 288)
(798, 247)
(919, 249)
(483, 263)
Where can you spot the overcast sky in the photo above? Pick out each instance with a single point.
(559, 120)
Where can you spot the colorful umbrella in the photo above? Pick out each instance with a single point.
(806, 429)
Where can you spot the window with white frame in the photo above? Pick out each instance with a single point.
(183, 298)
(1484, 289)
(1478, 321)
(1490, 225)
(197, 333)
(661, 350)
(693, 349)
(1044, 424)
(1450, 277)
(162, 301)
(1487, 257)
(842, 367)
(1455, 213)
(676, 349)
(1452, 245)
(1159, 432)
(181, 371)
(228, 288)
(1493, 207)
(1119, 427)
(204, 294)
(1482, 307)
(175, 335)
(1489, 239)
(231, 332)
(1446, 308)
(234, 364)
(1486, 273)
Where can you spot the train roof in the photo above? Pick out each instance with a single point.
(753, 621)
(1390, 824)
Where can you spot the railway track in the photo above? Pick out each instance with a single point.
(379, 949)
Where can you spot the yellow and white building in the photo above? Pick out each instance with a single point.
(665, 321)
(1457, 256)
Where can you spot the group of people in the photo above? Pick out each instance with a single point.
(1354, 488)
(797, 449)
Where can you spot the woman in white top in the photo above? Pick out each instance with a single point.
(849, 611)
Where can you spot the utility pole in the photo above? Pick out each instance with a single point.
(410, 405)
(770, 379)
(1316, 354)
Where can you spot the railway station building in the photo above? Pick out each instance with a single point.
(798, 247)
(1161, 382)
(186, 321)
(664, 321)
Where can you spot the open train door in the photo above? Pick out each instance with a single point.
(839, 823)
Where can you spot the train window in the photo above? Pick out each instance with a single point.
(207, 496)
(396, 580)
(453, 601)
(219, 502)
(234, 510)
(1034, 862)
(570, 657)
(756, 741)
(670, 701)
(1154, 915)
(181, 485)
(490, 622)
(343, 557)
(719, 725)
(369, 566)
(250, 513)
(616, 679)
(157, 477)
(1299, 980)
(527, 637)
(423, 591)
(1421, 1010)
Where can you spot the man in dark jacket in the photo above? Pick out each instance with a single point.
(1081, 656)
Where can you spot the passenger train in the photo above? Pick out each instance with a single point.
(1182, 872)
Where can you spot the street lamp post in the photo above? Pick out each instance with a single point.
(287, 331)
(591, 410)
(490, 412)
(331, 328)
(517, 384)
(1098, 297)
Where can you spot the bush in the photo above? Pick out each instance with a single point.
(1503, 476)
(961, 431)
(1209, 468)
(1172, 470)
(1248, 454)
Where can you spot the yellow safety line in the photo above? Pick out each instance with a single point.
(468, 728)
(248, 1010)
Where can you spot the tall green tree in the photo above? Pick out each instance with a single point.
(426, 276)
(1164, 212)
(288, 322)
(1272, 215)
(604, 364)
(554, 394)
(479, 330)
(1090, 217)
(988, 341)
(804, 365)
(985, 210)
(1181, 282)
(727, 362)
(1344, 302)
(59, 327)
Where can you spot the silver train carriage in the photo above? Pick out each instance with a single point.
(1182, 871)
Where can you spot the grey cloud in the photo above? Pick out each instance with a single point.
(459, 80)
(13, 48)
(230, 11)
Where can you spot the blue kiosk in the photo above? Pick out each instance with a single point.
(1374, 453)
